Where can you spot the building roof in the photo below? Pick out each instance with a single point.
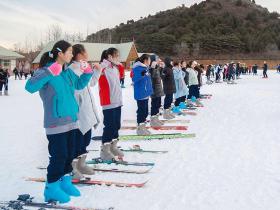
(8, 54)
(94, 50)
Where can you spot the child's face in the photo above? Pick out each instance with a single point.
(115, 58)
(67, 56)
(84, 56)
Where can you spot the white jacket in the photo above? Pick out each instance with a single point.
(88, 115)
(193, 80)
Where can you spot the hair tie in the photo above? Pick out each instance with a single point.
(50, 54)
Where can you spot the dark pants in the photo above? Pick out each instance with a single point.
(179, 100)
(142, 111)
(193, 91)
(122, 81)
(264, 74)
(82, 142)
(230, 76)
(16, 76)
(62, 150)
(217, 76)
(168, 101)
(2, 84)
(112, 124)
(155, 105)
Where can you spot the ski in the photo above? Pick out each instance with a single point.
(26, 200)
(135, 150)
(151, 137)
(118, 162)
(95, 182)
(208, 95)
(113, 170)
(185, 112)
(144, 151)
(165, 121)
(159, 128)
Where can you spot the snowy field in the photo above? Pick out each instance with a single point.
(232, 164)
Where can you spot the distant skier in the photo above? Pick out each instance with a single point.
(265, 68)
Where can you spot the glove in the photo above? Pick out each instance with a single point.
(85, 67)
(55, 68)
(143, 73)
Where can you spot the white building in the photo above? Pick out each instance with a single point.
(8, 58)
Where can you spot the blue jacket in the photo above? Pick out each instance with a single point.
(142, 84)
(181, 87)
(57, 94)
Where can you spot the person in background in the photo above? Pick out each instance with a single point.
(16, 73)
(169, 88)
(181, 88)
(4, 76)
(265, 68)
(122, 74)
(155, 71)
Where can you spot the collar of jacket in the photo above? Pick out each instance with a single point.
(138, 63)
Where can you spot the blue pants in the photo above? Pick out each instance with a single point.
(142, 111)
(193, 91)
(82, 142)
(112, 124)
(179, 100)
(168, 101)
(155, 105)
(62, 150)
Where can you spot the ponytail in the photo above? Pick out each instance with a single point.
(51, 56)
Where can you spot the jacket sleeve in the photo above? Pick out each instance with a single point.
(39, 79)
(176, 75)
(79, 82)
(137, 77)
(95, 77)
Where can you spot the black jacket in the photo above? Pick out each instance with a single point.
(3, 76)
(186, 78)
(156, 82)
(168, 80)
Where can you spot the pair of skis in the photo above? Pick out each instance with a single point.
(158, 128)
(26, 200)
(113, 170)
(169, 136)
(88, 181)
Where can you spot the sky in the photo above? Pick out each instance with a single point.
(24, 21)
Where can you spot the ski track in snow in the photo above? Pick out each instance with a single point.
(232, 164)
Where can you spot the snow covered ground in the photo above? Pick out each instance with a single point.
(232, 164)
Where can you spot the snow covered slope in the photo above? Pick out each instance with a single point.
(233, 163)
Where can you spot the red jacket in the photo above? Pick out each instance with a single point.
(109, 86)
(121, 70)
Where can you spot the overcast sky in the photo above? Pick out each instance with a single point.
(29, 19)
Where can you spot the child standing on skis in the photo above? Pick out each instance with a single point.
(155, 71)
(56, 86)
(110, 93)
(88, 116)
(168, 88)
(142, 91)
(193, 80)
(181, 88)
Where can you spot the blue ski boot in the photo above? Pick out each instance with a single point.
(53, 192)
(68, 187)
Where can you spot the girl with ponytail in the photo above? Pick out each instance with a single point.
(56, 84)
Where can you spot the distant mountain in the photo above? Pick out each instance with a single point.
(213, 28)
